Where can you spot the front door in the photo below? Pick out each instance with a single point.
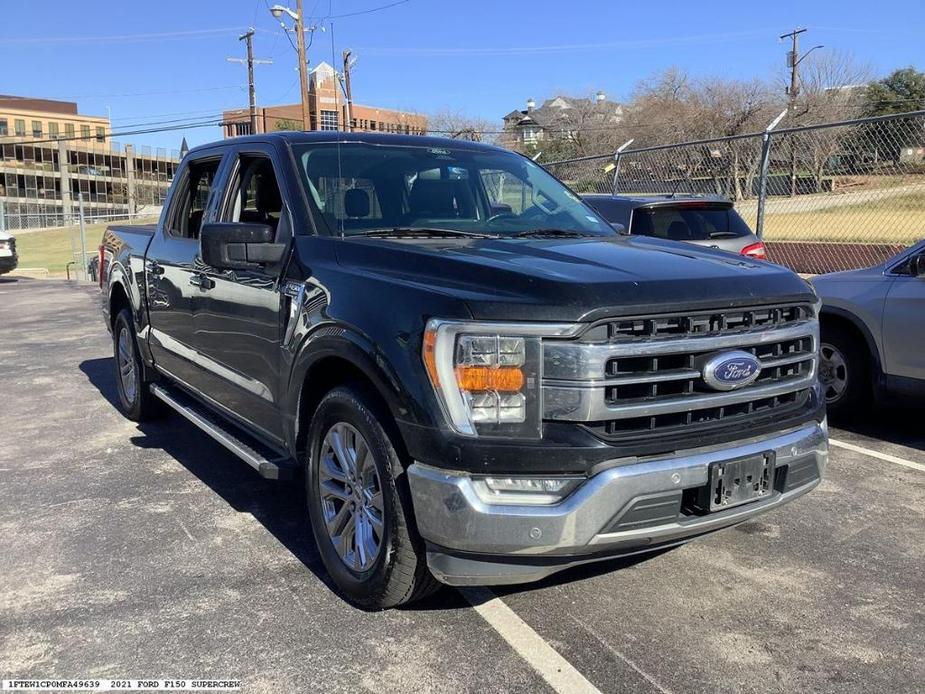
(904, 324)
(172, 270)
(238, 326)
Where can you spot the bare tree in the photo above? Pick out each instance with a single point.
(458, 125)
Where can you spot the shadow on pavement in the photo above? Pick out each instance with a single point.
(894, 423)
(279, 506)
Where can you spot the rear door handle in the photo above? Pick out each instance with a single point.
(201, 281)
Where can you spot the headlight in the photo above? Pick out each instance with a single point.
(524, 490)
(487, 375)
(4, 245)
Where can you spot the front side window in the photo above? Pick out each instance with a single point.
(359, 187)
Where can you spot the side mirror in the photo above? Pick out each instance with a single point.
(239, 245)
(917, 265)
(620, 228)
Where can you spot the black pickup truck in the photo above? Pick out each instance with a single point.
(477, 378)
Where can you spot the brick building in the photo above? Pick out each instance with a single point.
(327, 111)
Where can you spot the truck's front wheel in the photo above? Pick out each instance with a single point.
(360, 506)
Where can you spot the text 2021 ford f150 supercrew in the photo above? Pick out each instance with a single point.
(478, 379)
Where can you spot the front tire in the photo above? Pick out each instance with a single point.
(844, 371)
(360, 505)
(135, 400)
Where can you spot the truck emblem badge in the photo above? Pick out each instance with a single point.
(730, 370)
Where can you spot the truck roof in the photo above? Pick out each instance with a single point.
(319, 136)
(656, 200)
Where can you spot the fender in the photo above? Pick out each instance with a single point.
(346, 343)
(120, 275)
(872, 346)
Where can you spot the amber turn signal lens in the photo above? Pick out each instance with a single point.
(430, 359)
(478, 378)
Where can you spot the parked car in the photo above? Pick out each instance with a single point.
(697, 219)
(873, 332)
(478, 379)
(8, 257)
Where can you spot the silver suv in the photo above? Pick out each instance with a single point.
(873, 332)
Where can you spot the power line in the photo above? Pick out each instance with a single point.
(123, 38)
(368, 11)
(109, 135)
(152, 93)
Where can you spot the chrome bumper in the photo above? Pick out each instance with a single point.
(475, 543)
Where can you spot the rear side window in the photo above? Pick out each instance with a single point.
(689, 223)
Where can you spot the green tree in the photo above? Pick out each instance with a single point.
(901, 91)
(286, 124)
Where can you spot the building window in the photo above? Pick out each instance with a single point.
(4, 127)
(53, 130)
(242, 128)
(100, 134)
(372, 125)
(69, 129)
(36, 128)
(20, 126)
(85, 132)
(329, 120)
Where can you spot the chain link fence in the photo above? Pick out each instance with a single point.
(826, 197)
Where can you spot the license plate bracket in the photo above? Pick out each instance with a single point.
(739, 481)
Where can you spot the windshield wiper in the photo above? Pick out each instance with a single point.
(423, 232)
(560, 233)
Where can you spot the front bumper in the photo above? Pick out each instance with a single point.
(8, 263)
(630, 507)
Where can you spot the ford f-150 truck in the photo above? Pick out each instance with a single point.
(478, 379)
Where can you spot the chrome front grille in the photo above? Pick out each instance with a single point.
(641, 374)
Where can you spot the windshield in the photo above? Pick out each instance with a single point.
(360, 188)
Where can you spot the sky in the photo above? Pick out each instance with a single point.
(147, 63)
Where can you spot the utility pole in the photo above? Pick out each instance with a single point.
(303, 64)
(793, 63)
(248, 37)
(347, 93)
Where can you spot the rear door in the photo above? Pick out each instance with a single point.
(172, 266)
(904, 323)
(239, 325)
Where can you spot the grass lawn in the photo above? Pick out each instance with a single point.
(52, 248)
(899, 219)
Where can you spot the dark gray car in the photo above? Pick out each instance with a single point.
(873, 332)
(702, 220)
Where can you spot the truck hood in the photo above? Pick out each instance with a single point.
(575, 279)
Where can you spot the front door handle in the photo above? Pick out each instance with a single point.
(201, 281)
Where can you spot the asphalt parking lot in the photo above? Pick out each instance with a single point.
(149, 551)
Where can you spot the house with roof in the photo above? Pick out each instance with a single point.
(561, 116)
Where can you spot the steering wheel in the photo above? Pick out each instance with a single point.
(501, 215)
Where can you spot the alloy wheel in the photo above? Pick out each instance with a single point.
(833, 372)
(351, 496)
(126, 361)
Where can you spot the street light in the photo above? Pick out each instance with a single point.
(279, 10)
(298, 17)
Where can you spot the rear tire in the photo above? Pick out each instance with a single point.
(360, 506)
(844, 371)
(135, 399)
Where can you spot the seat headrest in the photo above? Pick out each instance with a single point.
(432, 198)
(678, 230)
(268, 198)
(356, 203)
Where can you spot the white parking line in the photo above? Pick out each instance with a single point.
(876, 454)
(560, 674)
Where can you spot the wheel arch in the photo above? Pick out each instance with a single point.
(833, 316)
(332, 362)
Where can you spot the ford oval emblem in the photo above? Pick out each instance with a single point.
(730, 370)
